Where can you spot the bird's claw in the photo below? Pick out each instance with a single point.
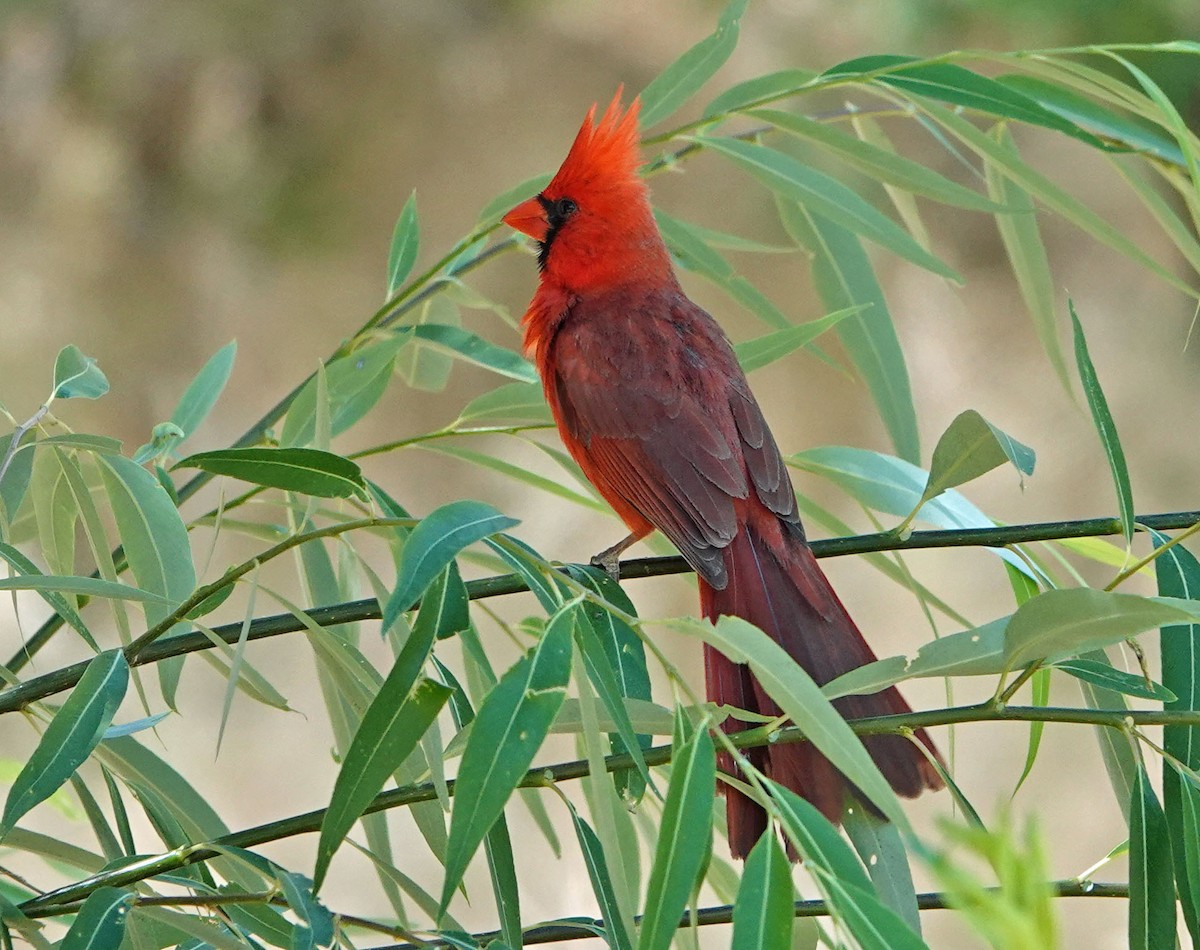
(609, 561)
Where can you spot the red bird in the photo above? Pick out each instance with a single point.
(651, 402)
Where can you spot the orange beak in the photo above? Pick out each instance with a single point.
(529, 217)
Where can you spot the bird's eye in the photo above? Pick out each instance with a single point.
(564, 208)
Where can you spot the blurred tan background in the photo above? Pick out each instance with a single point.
(173, 176)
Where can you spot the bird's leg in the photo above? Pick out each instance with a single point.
(609, 558)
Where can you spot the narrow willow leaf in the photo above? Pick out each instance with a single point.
(764, 350)
(759, 89)
(518, 472)
(844, 278)
(763, 914)
(1072, 620)
(405, 244)
(401, 712)
(54, 598)
(1120, 762)
(882, 853)
(533, 568)
(1091, 115)
(466, 345)
(497, 845)
(74, 732)
(505, 735)
(1039, 689)
(56, 512)
(828, 197)
(434, 543)
(445, 608)
(307, 471)
(679, 81)
(1022, 239)
(623, 653)
(693, 252)
(77, 376)
(802, 701)
(514, 403)
(1104, 426)
(971, 446)
(507, 200)
(684, 840)
(354, 385)
(102, 444)
(424, 367)
(203, 392)
(615, 933)
(1178, 575)
(892, 485)
(839, 875)
(316, 928)
(137, 725)
(1050, 194)
(14, 481)
(1116, 680)
(878, 163)
(955, 84)
(100, 923)
(1151, 871)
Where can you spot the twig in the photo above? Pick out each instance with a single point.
(17, 697)
(543, 776)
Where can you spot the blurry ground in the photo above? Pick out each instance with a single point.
(174, 176)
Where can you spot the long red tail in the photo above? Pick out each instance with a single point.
(780, 589)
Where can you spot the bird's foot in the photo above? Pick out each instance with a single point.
(609, 560)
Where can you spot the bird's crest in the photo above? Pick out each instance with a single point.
(604, 152)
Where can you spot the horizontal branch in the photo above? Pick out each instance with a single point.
(17, 697)
(546, 776)
(723, 914)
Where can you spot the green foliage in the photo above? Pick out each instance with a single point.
(463, 722)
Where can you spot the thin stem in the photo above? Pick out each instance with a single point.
(17, 697)
(544, 776)
(1152, 556)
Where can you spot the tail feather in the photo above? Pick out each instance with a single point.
(780, 588)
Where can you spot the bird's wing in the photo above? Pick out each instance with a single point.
(655, 401)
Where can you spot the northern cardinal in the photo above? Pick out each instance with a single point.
(651, 402)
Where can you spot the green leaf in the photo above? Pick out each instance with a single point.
(764, 350)
(77, 376)
(1178, 575)
(474, 349)
(307, 471)
(395, 721)
(100, 923)
(497, 845)
(405, 243)
(316, 928)
(844, 278)
(89, 587)
(1022, 238)
(951, 83)
(838, 874)
(203, 392)
(20, 563)
(510, 198)
(14, 481)
(1151, 875)
(971, 446)
(802, 701)
(515, 403)
(1104, 426)
(693, 252)
(678, 82)
(771, 86)
(878, 163)
(505, 735)
(354, 385)
(1127, 130)
(828, 197)
(74, 732)
(684, 840)
(1072, 620)
(445, 607)
(763, 914)
(434, 543)
(1115, 680)
(882, 853)
(615, 933)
